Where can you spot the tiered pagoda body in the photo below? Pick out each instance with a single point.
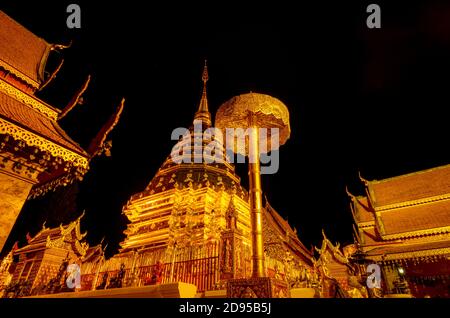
(403, 224)
(192, 223)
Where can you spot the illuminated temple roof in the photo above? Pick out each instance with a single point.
(29, 127)
(410, 187)
(285, 234)
(58, 237)
(405, 214)
(21, 52)
(406, 206)
(431, 216)
(412, 250)
(362, 210)
(23, 114)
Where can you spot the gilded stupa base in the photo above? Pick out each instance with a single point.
(257, 287)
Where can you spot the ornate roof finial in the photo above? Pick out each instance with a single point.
(350, 195)
(203, 111)
(76, 100)
(52, 76)
(99, 144)
(15, 246)
(81, 216)
(361, 178)
(60, 46)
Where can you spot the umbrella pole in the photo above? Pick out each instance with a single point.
(256, 203)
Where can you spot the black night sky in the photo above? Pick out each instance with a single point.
(369, 100)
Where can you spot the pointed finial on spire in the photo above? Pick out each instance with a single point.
(205, 74)
(203, 111)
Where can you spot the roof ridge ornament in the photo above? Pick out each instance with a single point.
(77, 99)
(51, 76)
(56, 47)
(81, 216)
(99, 144)
(349, 194)
(365, 181)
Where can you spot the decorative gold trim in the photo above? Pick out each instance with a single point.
(417, 254)
(19, 74)
(81, 247)
(409, 174)
(64, 180)
(58, 243)
(336, 252)
(437, 230)
(372, 200)
(28, 100)
(413, 202)
(43, 144)
(365, 224)
(379, 224)
(68, 229)
(209, 167)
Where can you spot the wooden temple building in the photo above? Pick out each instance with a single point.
(403, 224)
(36, 154)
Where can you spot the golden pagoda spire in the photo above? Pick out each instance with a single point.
(203, 111)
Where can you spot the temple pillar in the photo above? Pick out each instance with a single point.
(16, 180)
(14, 193)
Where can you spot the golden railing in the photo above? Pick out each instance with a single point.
(189, 265)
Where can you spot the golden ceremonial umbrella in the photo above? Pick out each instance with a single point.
(265, 111)
(234, 117)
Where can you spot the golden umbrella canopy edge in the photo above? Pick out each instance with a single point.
(264, 110)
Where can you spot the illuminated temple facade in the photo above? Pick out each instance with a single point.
(34, 150)
(403, 224)
(36, 154)
(191, 225)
